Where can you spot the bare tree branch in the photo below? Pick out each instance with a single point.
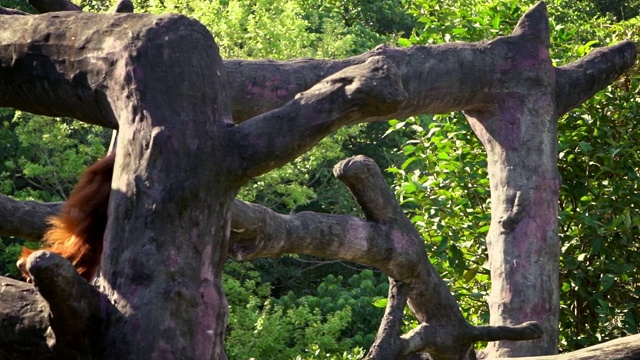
(587, 76)
(45, 6)
(625, 348)
(6, 11)
(25, 219)
(346, 97)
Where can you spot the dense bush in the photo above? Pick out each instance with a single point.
(337, 322)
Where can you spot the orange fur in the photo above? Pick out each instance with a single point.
(77, 231)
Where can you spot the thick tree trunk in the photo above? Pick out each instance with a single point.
(166, 241)
(181, 159)
(518, 130)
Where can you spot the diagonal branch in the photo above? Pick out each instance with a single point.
(580, 80)
(388, 241)
(6, 11)
(346, 97)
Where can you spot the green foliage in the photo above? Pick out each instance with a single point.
(600, 218)
(333, 324)
(18, 5)
(9, 252)
(455, 20)
(618, 9)
(41, 159)
(367, 22)
(47, 156)
(444, 189)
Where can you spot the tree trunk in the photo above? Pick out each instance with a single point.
(181, 158)
(519, 131)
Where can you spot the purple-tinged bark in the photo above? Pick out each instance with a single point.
(167, 240)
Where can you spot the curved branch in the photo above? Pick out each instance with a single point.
(359, 174)
(75, 306)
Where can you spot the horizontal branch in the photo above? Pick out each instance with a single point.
(45, 6)
(6, 11)
(25, 219)
(527, 331)
(625, 348)
(257, 231)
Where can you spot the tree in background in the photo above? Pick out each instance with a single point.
(447, 195)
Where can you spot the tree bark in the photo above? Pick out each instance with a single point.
(177, 111)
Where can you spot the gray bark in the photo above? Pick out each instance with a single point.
(177, 111)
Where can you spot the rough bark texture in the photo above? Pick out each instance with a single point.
(24, 322)
(177, 111)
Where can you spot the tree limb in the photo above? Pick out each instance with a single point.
(587, 75)
(346, 97)
(25, 219)
(6, 11)
(45, 6)
(263, 85)
(77, 308)
(625, 348)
